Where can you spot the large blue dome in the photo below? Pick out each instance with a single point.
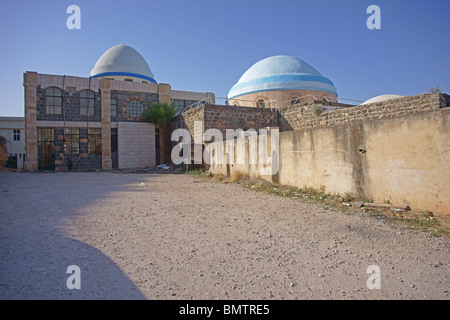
(281, 73)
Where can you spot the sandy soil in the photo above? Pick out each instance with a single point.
(148, 236)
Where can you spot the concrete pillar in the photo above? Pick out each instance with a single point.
(30, 81)
(165, 93)
(273, 150)
(165, 96)
(105, 91)
(211, 98)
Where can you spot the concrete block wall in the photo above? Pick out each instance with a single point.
(136, 145)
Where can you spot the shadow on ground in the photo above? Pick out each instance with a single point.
(35, 253)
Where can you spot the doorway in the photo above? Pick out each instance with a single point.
(46, 149)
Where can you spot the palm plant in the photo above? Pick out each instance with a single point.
(161, 114)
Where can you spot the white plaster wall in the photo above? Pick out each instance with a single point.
(7, 127)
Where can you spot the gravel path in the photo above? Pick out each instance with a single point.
(149, 236)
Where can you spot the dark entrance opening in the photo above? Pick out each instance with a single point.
(114, 149)
(46, 149)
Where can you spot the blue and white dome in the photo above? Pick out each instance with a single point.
(381, 98)
(281, 73)
(123, 61)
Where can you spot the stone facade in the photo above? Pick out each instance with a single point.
(298, 117)
(104, 90)
(82, 161)
(124, 98)
(225, 117)
(71, 102)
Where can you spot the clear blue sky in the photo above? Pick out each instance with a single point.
(207, 45)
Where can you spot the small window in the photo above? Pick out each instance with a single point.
(129, 80)
(71, 141)
(113, 106)
(95, 140)
(53, 101)
(135, 108)
(145, 81)
(87, 102)
(261, 104)
(16, 135)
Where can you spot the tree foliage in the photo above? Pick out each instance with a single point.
(436, 89)
(160, 113)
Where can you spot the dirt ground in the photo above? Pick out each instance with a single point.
(153, 236)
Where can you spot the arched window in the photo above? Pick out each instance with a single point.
(87, 102)
(53, 101)
(135, 108)
(261, 104)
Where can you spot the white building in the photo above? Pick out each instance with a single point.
(13, 130)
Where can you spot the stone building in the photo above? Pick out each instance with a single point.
(96, 122)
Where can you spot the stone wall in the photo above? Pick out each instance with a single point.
(403, 159)
(233, 117)
(225, 117)
(124, 97)
(298, 117)
(187, 118)
(82, 161)
(397, 151)
(71, 107)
